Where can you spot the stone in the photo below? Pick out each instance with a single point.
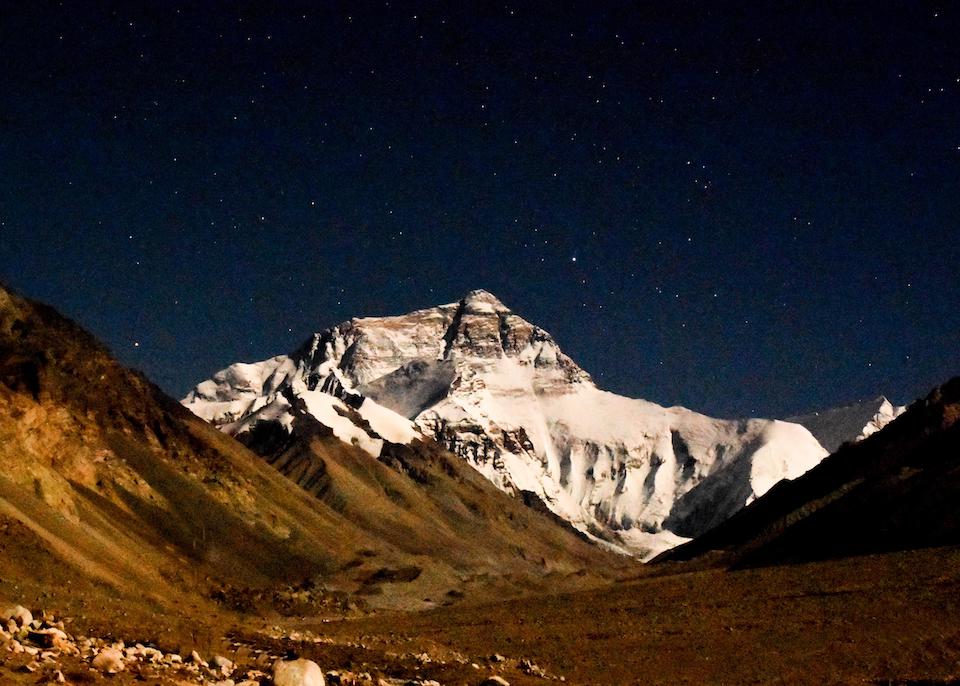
(48, 638)
(495, 681)
(531, 668)
(18, 613)
(223, 664)
(298, 672)
(109, 661)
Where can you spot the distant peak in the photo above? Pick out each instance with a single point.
(482, 302)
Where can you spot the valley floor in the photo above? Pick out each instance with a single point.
(872, 619)
(878, 619)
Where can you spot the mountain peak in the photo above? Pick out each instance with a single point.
(498, 391)
(480, 301)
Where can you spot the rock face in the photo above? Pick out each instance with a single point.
(498, 391)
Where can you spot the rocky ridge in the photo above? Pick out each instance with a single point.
(849, 423)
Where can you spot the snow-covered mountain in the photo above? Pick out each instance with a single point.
(850, 423)
(498, 391)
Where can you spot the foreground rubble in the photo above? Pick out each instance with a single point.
(41, 649)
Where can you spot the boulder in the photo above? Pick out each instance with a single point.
(109, 661)
(495, 681)
(298, 672)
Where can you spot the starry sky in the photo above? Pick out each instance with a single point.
(745, 208)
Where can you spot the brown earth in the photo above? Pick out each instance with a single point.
(879, 619)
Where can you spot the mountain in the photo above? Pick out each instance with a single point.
(897, 489)
(108, 485)
(497, 391)
(854, 422)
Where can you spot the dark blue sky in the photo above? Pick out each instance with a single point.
(745, 208)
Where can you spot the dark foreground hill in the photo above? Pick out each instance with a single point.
(114, 495)
(899, 489)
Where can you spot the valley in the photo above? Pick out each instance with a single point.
(876, 619)
(146, 546)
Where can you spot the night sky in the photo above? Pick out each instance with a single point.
(744, 208)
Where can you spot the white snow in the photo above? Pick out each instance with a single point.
(387, 423)
(324, 408)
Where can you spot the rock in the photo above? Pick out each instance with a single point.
(59, 678)
(151, 654)
(109, 660)
(223, 664)
(18, 613)
(497, 657)
(531, 668)
(48, 638)
(495, 681)
(196, 659)
(297, 673)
